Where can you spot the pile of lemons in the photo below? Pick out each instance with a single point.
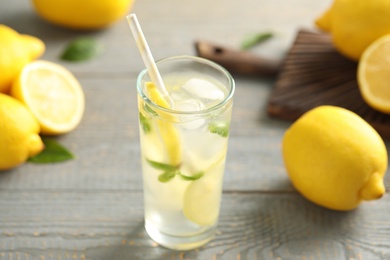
(36, 97)
(333, 157)
(360, 30)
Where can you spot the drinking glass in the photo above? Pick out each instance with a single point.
(184, 142)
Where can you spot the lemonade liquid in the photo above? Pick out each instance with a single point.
(183, 152)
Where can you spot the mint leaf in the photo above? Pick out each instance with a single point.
(220, 128)
(83, 48)
(170, 171)
(150, 110)
(254, 39)
(167, 176)
(162, 166)
(191, 178)
(53, 152)
(145, 123)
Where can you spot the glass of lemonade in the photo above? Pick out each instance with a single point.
(184, 141)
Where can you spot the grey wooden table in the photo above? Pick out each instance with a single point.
(91, 207)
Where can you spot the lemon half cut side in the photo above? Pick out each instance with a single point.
(374, 74)
(53, 94)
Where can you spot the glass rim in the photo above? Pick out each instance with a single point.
(198, 60)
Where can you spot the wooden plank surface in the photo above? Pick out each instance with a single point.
(91, 207)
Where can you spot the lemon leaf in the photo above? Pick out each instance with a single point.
(220, 128)
(83, 48)
(254, 39)
(53, 152)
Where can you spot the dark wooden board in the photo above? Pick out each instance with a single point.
(315, 74)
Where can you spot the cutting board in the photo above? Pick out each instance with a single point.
(313, 73)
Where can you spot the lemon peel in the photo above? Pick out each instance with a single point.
(374, 188)
(324, 21)
(334, 158)
(82, 15)
(16, 50)
(19, 130)
(35, 45)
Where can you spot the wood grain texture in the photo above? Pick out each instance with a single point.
(109, 225)
(91, 208)
(314, 73)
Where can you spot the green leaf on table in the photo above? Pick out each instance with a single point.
(145, 123)
(255, 39)
(53, 152)
(162, 166)
(83, 48)
(220, 128)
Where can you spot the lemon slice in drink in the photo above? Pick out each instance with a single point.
(202, 197)
(201, 201)
(52, 94)
(169, 134)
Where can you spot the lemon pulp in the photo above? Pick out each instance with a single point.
(374, 74)
(53, 95)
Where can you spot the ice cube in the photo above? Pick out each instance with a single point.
(188, 106)
(203, 89)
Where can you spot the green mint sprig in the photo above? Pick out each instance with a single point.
(171, 171)
(220, 128)
(145, 123)
(255, 39)
(150, 110)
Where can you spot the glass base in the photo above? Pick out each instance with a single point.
(179, 243)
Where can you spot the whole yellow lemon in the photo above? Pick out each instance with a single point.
(16, 50)
(334, 158)
(19, 130)
(355, 24)
(82, 14)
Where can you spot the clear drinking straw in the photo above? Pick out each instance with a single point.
(147, 56)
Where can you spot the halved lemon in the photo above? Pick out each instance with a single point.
(374, 74)
(168, 132)
(53, 95)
